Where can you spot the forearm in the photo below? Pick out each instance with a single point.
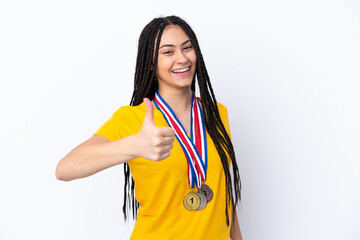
(235, 233)
(92, 157)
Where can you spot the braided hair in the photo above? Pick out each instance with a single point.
(145, 85)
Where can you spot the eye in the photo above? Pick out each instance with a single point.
(167, 52)
(188, 47)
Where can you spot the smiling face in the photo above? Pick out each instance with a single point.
(176, 59)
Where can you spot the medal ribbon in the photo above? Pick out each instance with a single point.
(194, 147)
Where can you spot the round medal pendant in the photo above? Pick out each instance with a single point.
(192, 201)
(206, 190)
(203, 201)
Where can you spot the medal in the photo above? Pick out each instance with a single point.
(195, 150)
(192, 201)
(203, 201)
(206, 190)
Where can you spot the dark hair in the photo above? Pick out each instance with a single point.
(145, 85)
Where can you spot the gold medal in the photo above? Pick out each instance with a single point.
(192, 201)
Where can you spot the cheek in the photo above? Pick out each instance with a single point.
(193, 57)
(193, 61)
(163, 66)
(161, 69)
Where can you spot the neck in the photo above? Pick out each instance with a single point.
(178, 99)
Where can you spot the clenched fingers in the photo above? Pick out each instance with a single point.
(168, 140)
(167, 131)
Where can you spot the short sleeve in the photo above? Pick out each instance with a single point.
(224, 117)
(112, 128)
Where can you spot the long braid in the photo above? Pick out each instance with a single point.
(145, 85)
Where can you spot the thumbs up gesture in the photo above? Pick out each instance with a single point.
(154, 142)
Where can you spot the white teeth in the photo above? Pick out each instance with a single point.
(181, 70)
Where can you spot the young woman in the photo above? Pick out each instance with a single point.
(176, 146)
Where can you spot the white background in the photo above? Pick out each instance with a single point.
(288, 72)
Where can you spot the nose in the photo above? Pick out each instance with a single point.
(181, 57)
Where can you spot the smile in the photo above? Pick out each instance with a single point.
(181, 70)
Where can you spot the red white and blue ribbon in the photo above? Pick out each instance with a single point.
(194, 147)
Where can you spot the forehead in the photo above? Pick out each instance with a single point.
(174, 35)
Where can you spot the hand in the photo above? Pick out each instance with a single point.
(154, 143)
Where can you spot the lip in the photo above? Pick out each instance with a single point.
(182, 74)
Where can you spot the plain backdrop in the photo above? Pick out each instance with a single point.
(288, 72)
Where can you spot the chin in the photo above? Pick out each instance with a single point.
(185, 84)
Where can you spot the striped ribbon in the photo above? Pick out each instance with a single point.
(194, 147)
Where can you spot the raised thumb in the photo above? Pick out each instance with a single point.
(149, 116)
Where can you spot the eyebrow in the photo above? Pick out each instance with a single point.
(171, 45)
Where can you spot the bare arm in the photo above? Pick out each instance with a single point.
(94, 155)
(235, 233)
(98, 153)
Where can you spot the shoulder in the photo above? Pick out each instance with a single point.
(125, 121)
(129, 112)
(222, 110)
(221, 107)
(224, 117)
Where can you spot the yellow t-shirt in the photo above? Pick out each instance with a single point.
(160, 187)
